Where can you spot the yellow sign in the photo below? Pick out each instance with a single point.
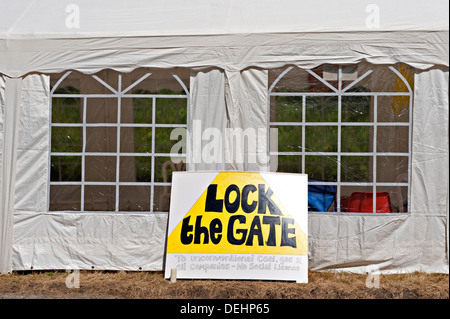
(238, 213)
(238, 225)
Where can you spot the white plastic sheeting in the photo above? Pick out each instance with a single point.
(2, 112)
(246, 100)
(430, 143)
(229, 108)
(5, 237)
(393, 244)
(229, 52)
(33, 145)
(207, 90)
(89, 241)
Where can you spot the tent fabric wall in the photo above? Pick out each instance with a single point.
(229, 52)
(246, 99)
(393, 244)
(231, 106)
(11, 115)
(89, 241)
(2, 115)
(403, 243)
(207, 100)
(33, 145)
(430, 142)
(431, 145)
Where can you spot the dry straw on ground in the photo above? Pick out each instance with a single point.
(151, 285)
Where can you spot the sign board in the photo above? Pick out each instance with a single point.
(238, 225)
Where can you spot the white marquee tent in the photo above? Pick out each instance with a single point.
(233, 63)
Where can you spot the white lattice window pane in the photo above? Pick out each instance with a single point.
(108, 130)
(351, 127)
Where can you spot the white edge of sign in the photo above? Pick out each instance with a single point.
(292, 191)
(186, 196)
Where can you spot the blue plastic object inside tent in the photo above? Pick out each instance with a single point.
(320, 197)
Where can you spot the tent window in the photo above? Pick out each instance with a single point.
(110, 139)
(348, 128)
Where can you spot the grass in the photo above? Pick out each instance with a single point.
(152, 285)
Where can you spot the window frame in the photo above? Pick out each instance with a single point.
(340, 92)
(118, 94)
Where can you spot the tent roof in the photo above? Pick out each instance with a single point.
(44, 36)
(47, 18)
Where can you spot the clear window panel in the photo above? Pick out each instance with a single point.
(321, 138)
(356, 139)
(356, 169)
(321, 168)
(65, 197)
(171, 110)
(165, 166)
(134, 198)
(159, 82)
(110, 77)
(67, 110)
(78, 83)
(393, 139)
(136, 169)
(289, 163)
(130, 78)
(163, 143)
(136, 110)
(100, 169)
(286, 109)
(289, 138)
(101, 110)
(67, 139)
(321, 109)
(101, 139)
(357, 108)
(136, 139)
(161, 199)
(392, 169)
(65, 168)
(99, 198)
(382, 79)
(330, 73)
(393, 109)
(297, 80)
(398, 196)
